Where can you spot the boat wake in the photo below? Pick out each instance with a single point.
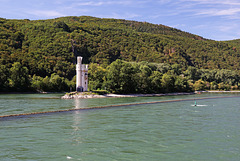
(68, 157)
(199, 105)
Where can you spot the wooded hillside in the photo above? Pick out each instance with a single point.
(44, 46)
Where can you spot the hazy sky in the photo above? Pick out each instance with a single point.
(212, 19)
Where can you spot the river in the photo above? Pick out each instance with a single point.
(173, 131)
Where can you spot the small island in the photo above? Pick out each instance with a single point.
(125, 79)
(85, 95)
(82, 86)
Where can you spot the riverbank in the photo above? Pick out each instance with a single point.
(90, 95)
(217, 91)
(87, 95)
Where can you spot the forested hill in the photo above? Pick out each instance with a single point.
(44, 46)
(235, 43)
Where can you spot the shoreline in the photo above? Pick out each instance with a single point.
(32, 92)
(87, 96)
(218, 91)
(84, 96)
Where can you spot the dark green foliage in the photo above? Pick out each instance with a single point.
(168, 82)
(120, 77)
(4, 74)
(181, 84)
(61, 25)
(143, 77)
(192, 73)
(96, 76)
(156, 84)
(19, 79)
(43, 48)
(55, 83)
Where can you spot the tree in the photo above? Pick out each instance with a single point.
(19, 78)
(163, 67)
(143, 78)
(37, 83)
(120, 77)
(3, 78)
(199, 85)
(58, 83)
(62, 25)
(213, 85)
(168, 81)
(177, 69)
(181, 84)
(96, 75)
(192, 73)
(46, 85)
(156, 83)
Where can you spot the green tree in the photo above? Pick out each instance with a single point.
(58, 83)
(143, 78)
(192, 73)
(96, 75)
(71, 84)
(163, 67)
(181, 84)
(177, 69)
(3, 78)
(46, 85)
(19, 78)
(156, 82)
(168, 82)
(199, 85)
(37, 83)
(120, 77)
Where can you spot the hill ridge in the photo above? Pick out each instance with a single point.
(44, 46)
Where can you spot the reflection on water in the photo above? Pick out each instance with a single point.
(80, 103)
(76, 117)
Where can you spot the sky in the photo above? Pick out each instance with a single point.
(211, 19)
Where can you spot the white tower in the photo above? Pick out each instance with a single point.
(81, 76)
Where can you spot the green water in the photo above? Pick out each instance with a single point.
(174, 131)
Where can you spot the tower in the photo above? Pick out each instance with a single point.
(81, 76)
